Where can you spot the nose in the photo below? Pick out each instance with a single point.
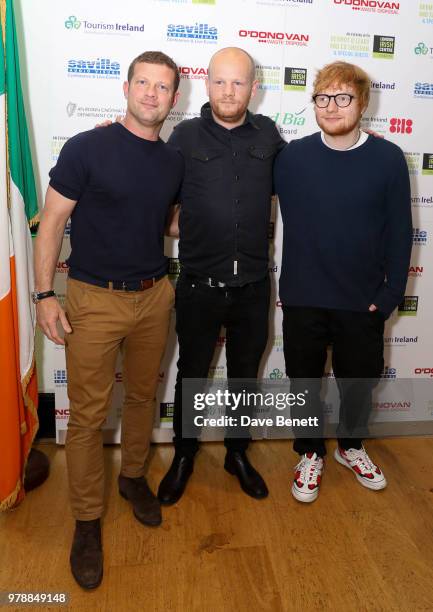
(150, 90)
(332, 106)
(229, 89)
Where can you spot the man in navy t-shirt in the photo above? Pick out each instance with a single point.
(117, 185)
(346, 209)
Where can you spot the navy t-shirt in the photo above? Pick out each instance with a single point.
(124, 186)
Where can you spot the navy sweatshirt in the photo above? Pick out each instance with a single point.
(347, 224)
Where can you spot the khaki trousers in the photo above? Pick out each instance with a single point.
(103, 322)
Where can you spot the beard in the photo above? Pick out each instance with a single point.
(228, 111)
(340, 128)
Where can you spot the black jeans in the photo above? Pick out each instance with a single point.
(357, 353)
(200, 312)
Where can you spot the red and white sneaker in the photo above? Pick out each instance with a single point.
(308, 474)
(366, 472)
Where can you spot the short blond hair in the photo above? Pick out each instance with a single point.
(343, 73)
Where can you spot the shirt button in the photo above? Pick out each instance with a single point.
(237, 177)
(237, 201)
(234, 153)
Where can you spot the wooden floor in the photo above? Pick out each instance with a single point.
(219, 550)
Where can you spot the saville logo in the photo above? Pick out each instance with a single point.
(201, 32)
(101, 67)
(389, 373)
(371, 6)
(423, 90)
(400, 126)
(276, 38)
(72, 23)
(60, 377)
(419, 236)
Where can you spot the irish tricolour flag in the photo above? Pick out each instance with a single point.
(18, 208)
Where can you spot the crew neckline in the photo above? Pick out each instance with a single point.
(363, 137)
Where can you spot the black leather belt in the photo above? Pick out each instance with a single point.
(212, 282)
(139, 285)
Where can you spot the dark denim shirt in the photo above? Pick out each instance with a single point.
(226, 196)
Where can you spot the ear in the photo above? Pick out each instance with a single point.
(126, 89)
(254, 88)
(175, 99)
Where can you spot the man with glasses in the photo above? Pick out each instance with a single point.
(346, 208)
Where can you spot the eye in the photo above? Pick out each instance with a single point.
(163, 87)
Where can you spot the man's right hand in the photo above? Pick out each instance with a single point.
(48, 313)
(107, 122)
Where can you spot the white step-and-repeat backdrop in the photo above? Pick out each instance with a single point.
(77, 54)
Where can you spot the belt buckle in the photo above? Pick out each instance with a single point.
(147, 283)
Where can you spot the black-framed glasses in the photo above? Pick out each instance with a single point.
(341, 100)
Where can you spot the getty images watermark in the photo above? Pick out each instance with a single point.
(306, 408)
(236, 401)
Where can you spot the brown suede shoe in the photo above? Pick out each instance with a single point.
(86, 554)
(145, 504)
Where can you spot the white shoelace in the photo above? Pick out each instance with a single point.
(361, 459)
(310, 469)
